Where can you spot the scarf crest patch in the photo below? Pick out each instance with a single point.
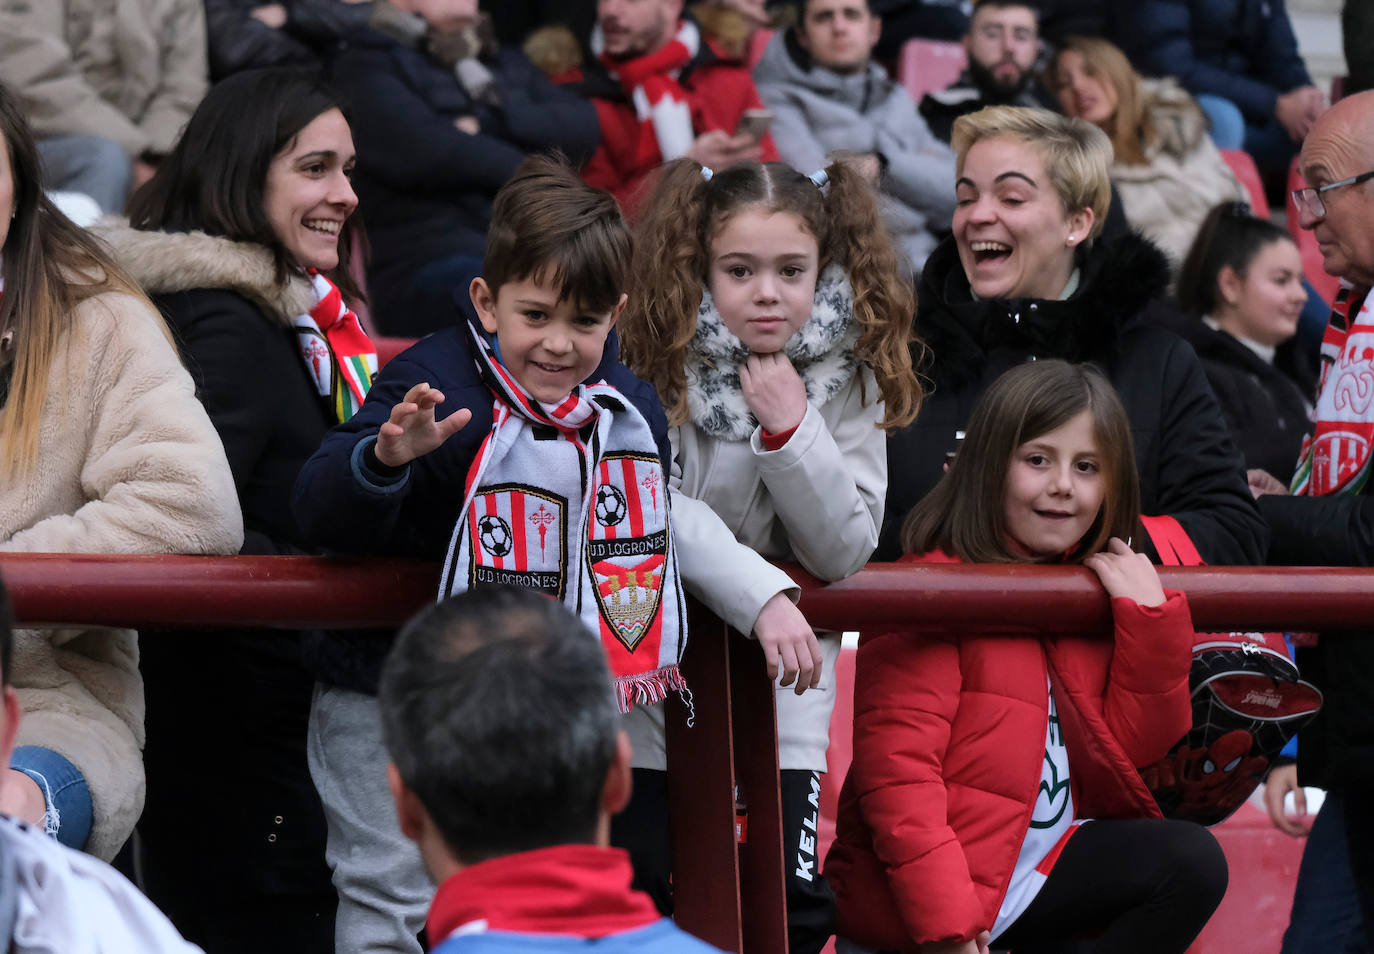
(822, 351)
(338, 354)
(570, 500)
(1336, 458)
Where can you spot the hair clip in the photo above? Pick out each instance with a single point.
(820, 178)
(1239, 210)
(706, 173)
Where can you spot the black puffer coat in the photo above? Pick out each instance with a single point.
(1188, 466)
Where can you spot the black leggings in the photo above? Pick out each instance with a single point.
(1147, 886)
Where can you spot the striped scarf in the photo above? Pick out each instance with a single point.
(340, 358)
(570, 500)
(651, 82)
(1336, 458)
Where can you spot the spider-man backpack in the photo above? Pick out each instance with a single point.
(1248, 701)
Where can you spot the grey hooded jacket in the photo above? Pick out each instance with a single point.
(817, 111)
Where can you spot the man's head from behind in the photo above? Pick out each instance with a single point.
(498, 712)
(839, 34)
(631, 28)
(1340, 146)
(1002, 43)
(553, 278)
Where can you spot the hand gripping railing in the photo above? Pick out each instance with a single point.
(731, 896)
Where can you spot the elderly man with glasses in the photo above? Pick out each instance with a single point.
(1328, 520)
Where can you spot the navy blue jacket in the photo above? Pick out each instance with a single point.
(414, 516)
(1241, 50)
(425, 186)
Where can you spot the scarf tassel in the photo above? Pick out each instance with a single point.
(648, 688)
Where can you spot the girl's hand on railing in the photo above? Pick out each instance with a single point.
(788, 640)
(1126, 573)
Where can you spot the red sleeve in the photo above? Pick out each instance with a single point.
(1147, 705)
(772, 442)
(906, 692)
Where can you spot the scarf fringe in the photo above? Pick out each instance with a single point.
(649, 688)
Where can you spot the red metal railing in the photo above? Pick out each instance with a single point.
(732, 896)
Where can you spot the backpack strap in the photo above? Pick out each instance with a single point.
(1171, 541)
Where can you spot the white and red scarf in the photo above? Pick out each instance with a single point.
(660, 102)
(1336, 458)
(341, 360)
(577, 890)
(570, 500)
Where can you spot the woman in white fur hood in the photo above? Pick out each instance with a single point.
(104, 449)
(1167, 170)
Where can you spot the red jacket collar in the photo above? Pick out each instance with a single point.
(579, 890)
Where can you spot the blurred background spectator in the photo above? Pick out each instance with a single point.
(91, 72)
(246, 34)
(827, 96)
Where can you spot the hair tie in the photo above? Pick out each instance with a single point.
(1239, 210)
(706, 173)
(820, 178)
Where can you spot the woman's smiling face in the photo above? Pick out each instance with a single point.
(1014, 237)
(307, 195)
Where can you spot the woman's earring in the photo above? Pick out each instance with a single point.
(1070, 239)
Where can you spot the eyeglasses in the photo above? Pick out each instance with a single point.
(1309, 200)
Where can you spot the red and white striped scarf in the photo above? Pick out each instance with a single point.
(338, 354)
(651, 82)
(1336, 458)
(570, 500)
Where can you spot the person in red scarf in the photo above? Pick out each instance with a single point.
(664, 90)
(1329, 518)
(507, 762)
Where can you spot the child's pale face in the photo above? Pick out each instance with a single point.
(762, 275)
(549, 346)
(1055, 488)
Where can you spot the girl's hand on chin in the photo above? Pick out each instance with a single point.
(774, 391)
(1126, 573)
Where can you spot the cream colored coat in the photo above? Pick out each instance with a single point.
(1167, 198)
(817, 500)
(129, 70)
(128, 462)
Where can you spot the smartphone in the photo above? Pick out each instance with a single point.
(755, 123)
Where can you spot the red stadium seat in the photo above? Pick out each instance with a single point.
(758, 42)
(1244, 167)
(1325, 284)
(928, 65)
(388, 348)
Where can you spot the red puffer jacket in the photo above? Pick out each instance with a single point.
(949, 738)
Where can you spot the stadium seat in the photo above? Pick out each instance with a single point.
(1326, 285)
(928, 65)
(758, 42)
(1245, 170)
(388, 348)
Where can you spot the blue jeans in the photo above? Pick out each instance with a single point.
(1326, 909)
(93, 165)
(68, 800)
(1228, 125)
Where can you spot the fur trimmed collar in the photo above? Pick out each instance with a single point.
(1119, 279)
(822, 351)
(168, 262)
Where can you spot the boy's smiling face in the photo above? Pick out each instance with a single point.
(550, 346)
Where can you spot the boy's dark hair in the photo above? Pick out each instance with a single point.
(6, 635)
(498, 711)
(1230, 235)
(213, 179)
(965, 514)
(549, 225)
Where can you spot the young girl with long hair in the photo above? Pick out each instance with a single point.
(768, 311)
(994, 795)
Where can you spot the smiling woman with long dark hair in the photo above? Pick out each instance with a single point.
(242, 239)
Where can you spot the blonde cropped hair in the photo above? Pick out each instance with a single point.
(1076, 153)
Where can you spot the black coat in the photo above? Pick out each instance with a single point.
(1188, 466)
(1265, 405)
(425, 186)
(313, 29)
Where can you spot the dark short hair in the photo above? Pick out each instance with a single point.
(6, 635)
(1231, 235)
(214, 178)
(1034, 8)
(803, 4)
(498, 711)
(549, 225)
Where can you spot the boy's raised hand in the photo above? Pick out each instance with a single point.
(788, 639)
(412, 431)
(1124, 572)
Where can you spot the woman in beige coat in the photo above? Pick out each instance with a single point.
(103, 449)
(1167, 170)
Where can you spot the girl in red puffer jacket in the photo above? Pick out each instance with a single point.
(993, 796)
